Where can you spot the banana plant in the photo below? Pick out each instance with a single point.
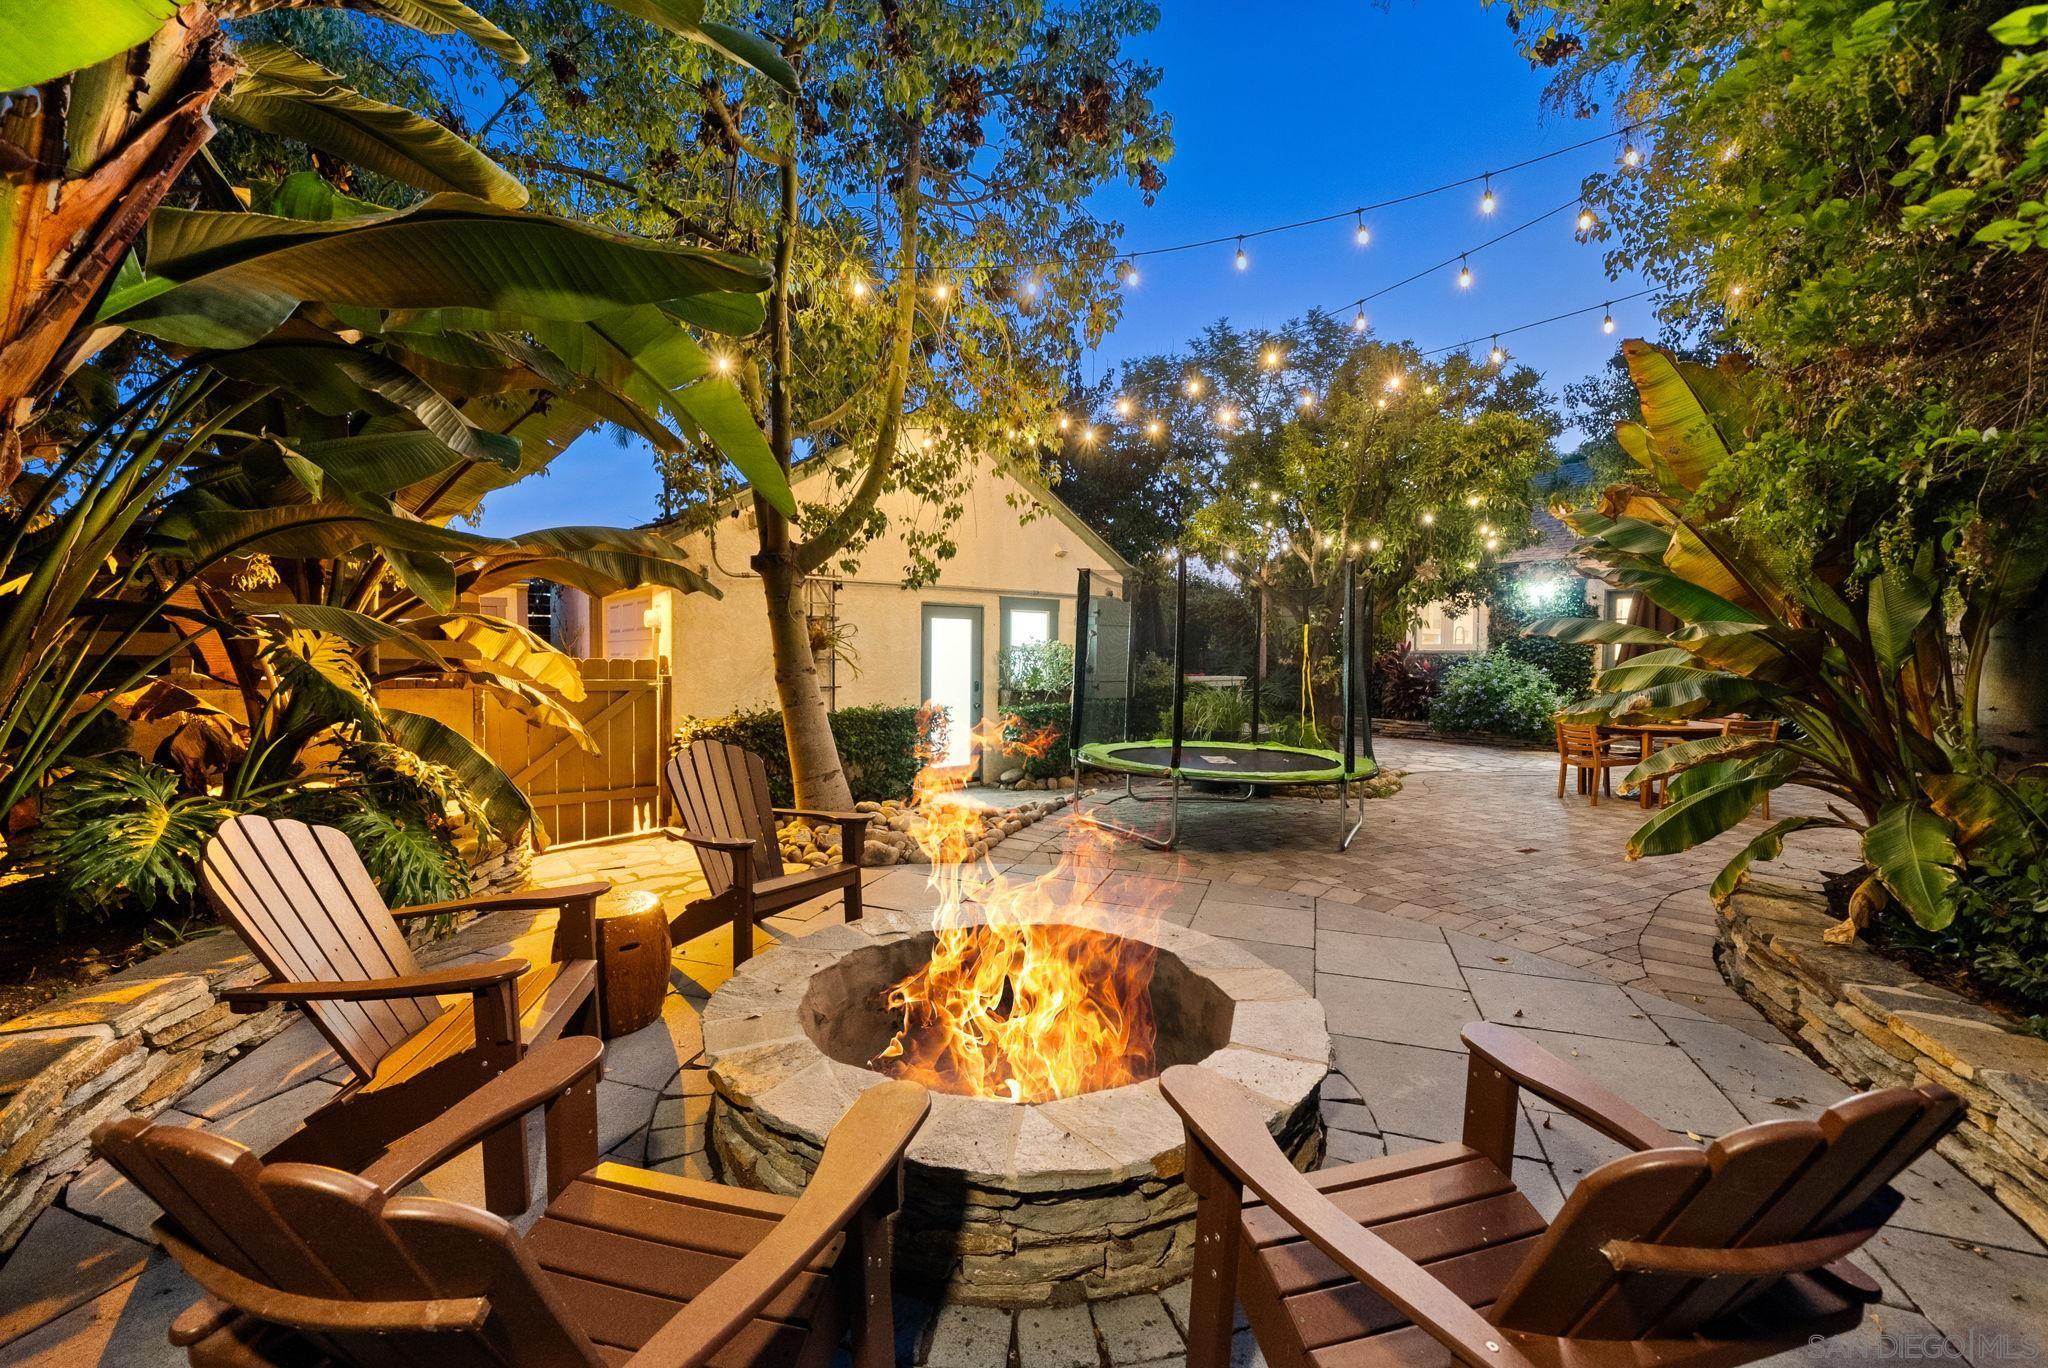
(1878, 717)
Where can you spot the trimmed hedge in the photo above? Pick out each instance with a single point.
(881, 748)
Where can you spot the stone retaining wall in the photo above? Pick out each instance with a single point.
(1878, 1024)
(133, 1043)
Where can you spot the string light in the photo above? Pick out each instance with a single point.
(1270, 358)
(1630, 157)
(1308, 399)
(1154, 428)
(1065, 422)
(1358, 321)
(1472, 501)
(857, 287)
(1607, 323)
(1464, 274)
(1192, 386)
(941, 291)
(1487, 202)
(1088, 435)
(1496, 356)
(1731, 151)
(1124, 406)
(1129, 272)
(1373, 543)
(1395, 381)
(1428, 518)
(1587, 223)
(1227, 416)
(1361, 234)
(1243, 262)
(1031, 287)
(721, 362)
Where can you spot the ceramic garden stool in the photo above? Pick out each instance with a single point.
(632, 959)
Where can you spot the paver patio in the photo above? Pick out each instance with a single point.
(1474, 893)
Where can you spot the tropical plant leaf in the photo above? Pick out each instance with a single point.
(1688, 754)
(1696, 818)
(1694, 415)
(440, 17)
(296, 98)
(1975, 807)
(339, 380)
(686, 17)
(1599, 631)
(1769, 845)
(116, 829)
(381, 463)
(1900, 601)
(471, 637)
(1913, 850)
(39, 43)
(440, 744)
(324, 672)
(191, 315)
(313, 531)
(359, 629)
(447, 251)
(428, 575)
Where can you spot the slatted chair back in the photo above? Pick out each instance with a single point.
(1661, 1243)
(302, 900)
(722, 790)
(1578, 741)
(375, 1281)
(1750, 726)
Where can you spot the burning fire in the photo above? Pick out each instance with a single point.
(1033, 995)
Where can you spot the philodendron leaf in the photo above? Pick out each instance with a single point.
(1913, 850)
(1767, 846)
(435, 741)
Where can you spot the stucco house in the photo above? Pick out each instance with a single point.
(1011, 581)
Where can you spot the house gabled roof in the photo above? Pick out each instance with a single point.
(1554, 541)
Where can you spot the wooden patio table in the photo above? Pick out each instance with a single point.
(1648, 734)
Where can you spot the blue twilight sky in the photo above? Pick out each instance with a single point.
(1289, 112)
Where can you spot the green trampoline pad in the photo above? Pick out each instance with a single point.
(1227, 762)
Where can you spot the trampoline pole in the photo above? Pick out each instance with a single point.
(1258, 654)
(1180, 642)
(1350, 630)
(1077, 704)
(1368, 647)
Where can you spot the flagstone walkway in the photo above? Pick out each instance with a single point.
(1473, 894)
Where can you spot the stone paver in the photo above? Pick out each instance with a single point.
(1473, 894)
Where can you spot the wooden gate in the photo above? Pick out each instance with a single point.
(581, 796)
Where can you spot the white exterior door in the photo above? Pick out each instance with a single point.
(629, 627)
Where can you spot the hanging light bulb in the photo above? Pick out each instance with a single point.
(1395, 381)
(1130, 274)
(1358, 320)
(1429, 390)
(1735, 292)
(1032, 287)
(1381, 402)
(1587, 223)
(1307, 400)
(1471, 501)
(1226, 415)
(1487, 202)
(1243, 262)
(857, 286)
(941, 291)
(1730, 151)
(1088, 435)
(1270, 357)
(1065, 422)
(1373, 543)
(1428, 518)
(1154, 428)
(1496, 356)
(1607, 323)
(1124, 406)
(1192, 386)
(1229, 554)
(1255, 486)
(1361, 234)
(1273, 496)
(1630, 157)
(1464, 274)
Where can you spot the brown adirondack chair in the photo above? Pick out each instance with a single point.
(305, 1265)
(1673, 1255)
(302, 900)
(721, 797)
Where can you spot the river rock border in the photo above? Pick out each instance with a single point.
(1048, 1204)
(1877, 1024)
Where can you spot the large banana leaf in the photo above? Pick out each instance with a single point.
(503, 646)
(1696, 818)
(1769, 845)
(447, 251)
(39, 43)
(1900, 601)
(1693, 415)
(1597, 631)
(358, 629)
(322, 529)
(191, 315)
(293, 97)
(1914, 852)
(381, 463)
(439, 17)
(1687, 754)
(686, 17)
(440, 744)
(339, 380)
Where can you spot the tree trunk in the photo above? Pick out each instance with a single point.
(820, 779)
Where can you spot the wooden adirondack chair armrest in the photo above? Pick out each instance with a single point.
(862, 1152)
(530, 898)
(1221, 1119)
(317, 1314)
(547, 1076)
(1521, 1062)
(844, 819)
(730, 845)
(200, 1319)
(453, 978)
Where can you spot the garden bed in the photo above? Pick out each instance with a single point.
(1878, 1024)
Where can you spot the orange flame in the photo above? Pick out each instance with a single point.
(1030, 994)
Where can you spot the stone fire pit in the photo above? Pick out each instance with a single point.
(1007, 1204)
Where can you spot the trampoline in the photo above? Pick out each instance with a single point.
(1252, 766)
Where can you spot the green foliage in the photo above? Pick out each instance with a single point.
(1497, 694)
(1039, 670)
(1522, 594)
(1044, 724)
(405, 816)
(117, 834)
(883, 748)
(1404, 682)
(1210, 713)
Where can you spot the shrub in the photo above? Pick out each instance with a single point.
(1569, 664)
(1495, 693)
(882, 748)
(1039, 669)
(1404, 681)
(1214, 714)
(1050, 719)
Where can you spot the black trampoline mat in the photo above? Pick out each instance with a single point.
(1224, 762)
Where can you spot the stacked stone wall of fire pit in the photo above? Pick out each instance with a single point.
(1038, 1204)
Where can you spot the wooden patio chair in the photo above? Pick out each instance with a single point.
(1672, 1255)
(1753, 726)
(721, 797)
(1581, 745)
(305, 1265)
(302, 900)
